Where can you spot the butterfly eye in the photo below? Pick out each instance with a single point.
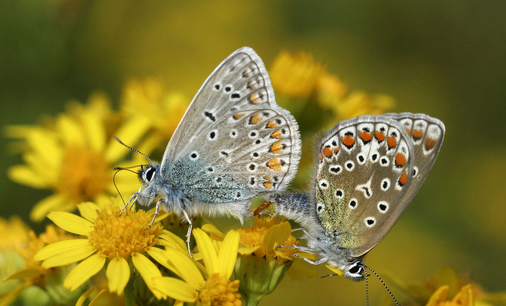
(148, 175)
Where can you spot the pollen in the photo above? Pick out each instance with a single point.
(85, 174)
(121, 236)
(220, 291)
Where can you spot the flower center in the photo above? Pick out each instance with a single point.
(220, 291)
(85, 174)
(121, 236)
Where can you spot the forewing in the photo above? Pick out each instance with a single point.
(234, 142)
(361, 179)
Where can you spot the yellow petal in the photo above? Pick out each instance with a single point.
(84, 296)
(95, 299)
(43, 207)
(95, 131)
(228, 253)
(88, 210)
(211, 229)
(69, 257)
(333, 269)
(245, 250)
(175, 288)
(278, 233)
(23, 274)
(71, 223)
(118, 274)
(60, 247)
(26, 176)
(439, 296)
(129, 133)
(148, 270)
(208, 251)
(13, 294)
(83, 271)
(70, 131)
(181, 264)
(173, 240)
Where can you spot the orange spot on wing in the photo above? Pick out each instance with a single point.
(274, 164)
(267, 178)
(276, 148)
(271, 124)
(239, 116)
(336, 150)
(268, 185)
(253, 98)
(321, 157)
(365, 136)
(348, 141)
(391, 141)
(256, 118)
(400, 160)
(327, 152)
(380, 136)
(403, 179)
(417, 134)
(277, 135)
(408, 131)
(430, 144)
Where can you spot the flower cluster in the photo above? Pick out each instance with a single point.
(98, 255)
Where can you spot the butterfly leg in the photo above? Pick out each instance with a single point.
(131, 201)
(317, 262)
(189, 233)
(157, 208)
(299, 248)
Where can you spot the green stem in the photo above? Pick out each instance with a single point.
(129, 293)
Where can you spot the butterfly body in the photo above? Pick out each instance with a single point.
(368, 170)
(232, 144)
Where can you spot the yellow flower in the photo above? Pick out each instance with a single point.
(463, 298)
(148, 98)
(214, 286)
(74, 156)
(295, 76)
(261, 266)
(33, 273)
(117, 240)
(446, 288)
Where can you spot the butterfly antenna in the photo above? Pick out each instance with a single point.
(114, 182)
(367, 288)
(135, 150)
(384, 285)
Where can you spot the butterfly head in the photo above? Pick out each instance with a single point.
(354, 270)
(147, 173)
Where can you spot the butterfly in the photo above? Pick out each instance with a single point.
(232, 144)
(368, 169)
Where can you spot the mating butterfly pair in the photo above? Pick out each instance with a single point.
(235, 143)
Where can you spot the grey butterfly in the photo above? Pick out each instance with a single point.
(368, 169)
(233, 143)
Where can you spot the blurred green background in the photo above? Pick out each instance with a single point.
(444, 58)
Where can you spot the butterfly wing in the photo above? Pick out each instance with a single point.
(362, 179)
(234, 142)
(427, 136)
